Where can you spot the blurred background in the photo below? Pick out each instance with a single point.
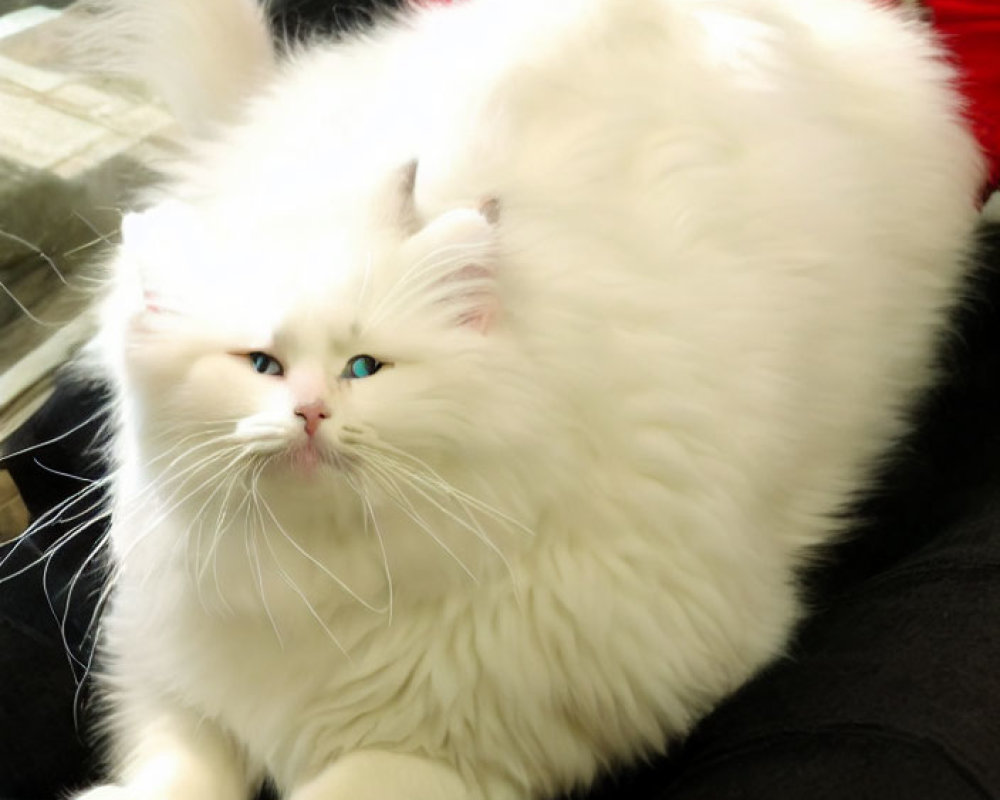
(73, 148)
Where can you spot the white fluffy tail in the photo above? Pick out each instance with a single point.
(203, 57)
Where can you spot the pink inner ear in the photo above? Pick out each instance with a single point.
(482, 304)
(152, 302)
(480, 318)
(155, 303)
(466, 238)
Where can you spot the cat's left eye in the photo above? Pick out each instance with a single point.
(265, 364)
(361, 367)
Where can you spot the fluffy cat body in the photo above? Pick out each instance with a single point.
(665, 281)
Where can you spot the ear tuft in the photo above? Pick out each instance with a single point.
(490, 209)
(407, 216)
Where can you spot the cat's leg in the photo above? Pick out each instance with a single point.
(167, 753)
(378, 775)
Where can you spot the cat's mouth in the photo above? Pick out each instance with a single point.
(310, 457)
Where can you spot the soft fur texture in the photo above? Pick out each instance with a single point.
(662, 285)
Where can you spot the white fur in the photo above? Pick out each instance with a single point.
(618, 418)
(203, 58)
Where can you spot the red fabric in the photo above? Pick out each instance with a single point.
(971, 30)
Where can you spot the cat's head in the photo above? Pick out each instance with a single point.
(304, 357)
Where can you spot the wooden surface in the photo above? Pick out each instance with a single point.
(13, 514)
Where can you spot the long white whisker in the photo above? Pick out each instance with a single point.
(91, 632)
(405, 504)
(59, 543)
(101, 237)
(71, 587)
(470, 524)
(13, 237)
(198, 518)
(57, 513)
(27, 312)
(431, 479)
(370, 514)
(209, 443)
(254, 555)
(54, 439)
(292, 585)
(322, 567)
(225, 507)
(53, 471)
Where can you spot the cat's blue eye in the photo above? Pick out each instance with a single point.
(265, 364)
(361, 367)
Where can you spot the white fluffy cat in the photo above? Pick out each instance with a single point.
(483, 381)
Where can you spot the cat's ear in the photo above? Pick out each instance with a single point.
(203, 57)
(460, 250)
(396, 198)
(156, 244)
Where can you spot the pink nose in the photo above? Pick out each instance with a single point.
(313, 413)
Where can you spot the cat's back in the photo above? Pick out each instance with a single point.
(514, 97)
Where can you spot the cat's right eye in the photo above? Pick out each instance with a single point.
(265, 364)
